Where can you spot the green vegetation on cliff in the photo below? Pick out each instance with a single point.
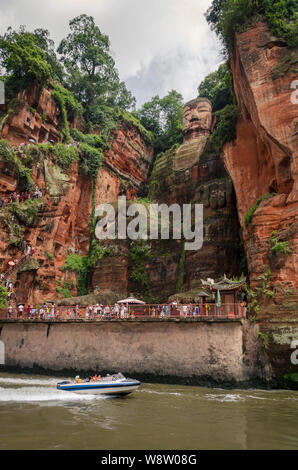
(279, 247)
(23, 60)
(13, 228)
(130, 118)
(258, 295)
(139, 252)
(3, 296)
(27, 211)
(225, 129)
(218, 88)
(69, 108)
(248, 217)
(14, 166)
(228, 17)
(77, 264)
(163, 118)
(31, 265)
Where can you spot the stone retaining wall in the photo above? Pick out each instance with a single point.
(197, 350)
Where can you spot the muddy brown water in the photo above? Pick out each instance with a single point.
(35, 415)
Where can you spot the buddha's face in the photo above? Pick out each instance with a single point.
(197, 119)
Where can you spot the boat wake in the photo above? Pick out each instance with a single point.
(225, 397)
(27, 381)
(37, 390)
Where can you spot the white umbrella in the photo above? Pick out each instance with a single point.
(130, 300)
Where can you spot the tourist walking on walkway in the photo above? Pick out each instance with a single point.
(29, 311)
(106, 311)
(52, 312)
(75, 311)
(87, 313)
(90, 311)
(20, 310)
(41, 313)
(116, 310)
(9, 312)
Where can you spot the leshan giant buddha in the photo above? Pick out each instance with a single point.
(194, 173)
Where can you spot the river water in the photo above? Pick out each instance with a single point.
(35, 415)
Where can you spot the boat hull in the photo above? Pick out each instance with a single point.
(123, 388)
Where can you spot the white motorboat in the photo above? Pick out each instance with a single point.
(116, 384)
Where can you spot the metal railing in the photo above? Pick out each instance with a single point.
(194, 311)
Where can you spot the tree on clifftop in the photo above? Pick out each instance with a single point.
(218, 87)
(228, 17)
(163, 117)
(90, 69)
(23, 59)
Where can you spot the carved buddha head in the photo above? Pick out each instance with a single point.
(197, 118)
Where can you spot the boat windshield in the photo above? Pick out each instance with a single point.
(118, 376)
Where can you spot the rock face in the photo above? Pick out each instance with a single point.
(62, 225)
(191, 173)
(263, 160)
(35, 116)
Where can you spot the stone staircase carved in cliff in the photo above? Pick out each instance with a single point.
(13, 269)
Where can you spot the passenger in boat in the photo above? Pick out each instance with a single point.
(78, 380)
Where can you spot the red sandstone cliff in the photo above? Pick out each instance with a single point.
(263, 159)
(63, 223)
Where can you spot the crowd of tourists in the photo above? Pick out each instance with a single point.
(20, 197)
(49, 311)
(31, 141)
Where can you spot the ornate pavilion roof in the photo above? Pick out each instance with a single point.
(224, 284)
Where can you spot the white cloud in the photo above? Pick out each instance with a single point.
(158, 45)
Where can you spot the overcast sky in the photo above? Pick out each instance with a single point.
(158, 45)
